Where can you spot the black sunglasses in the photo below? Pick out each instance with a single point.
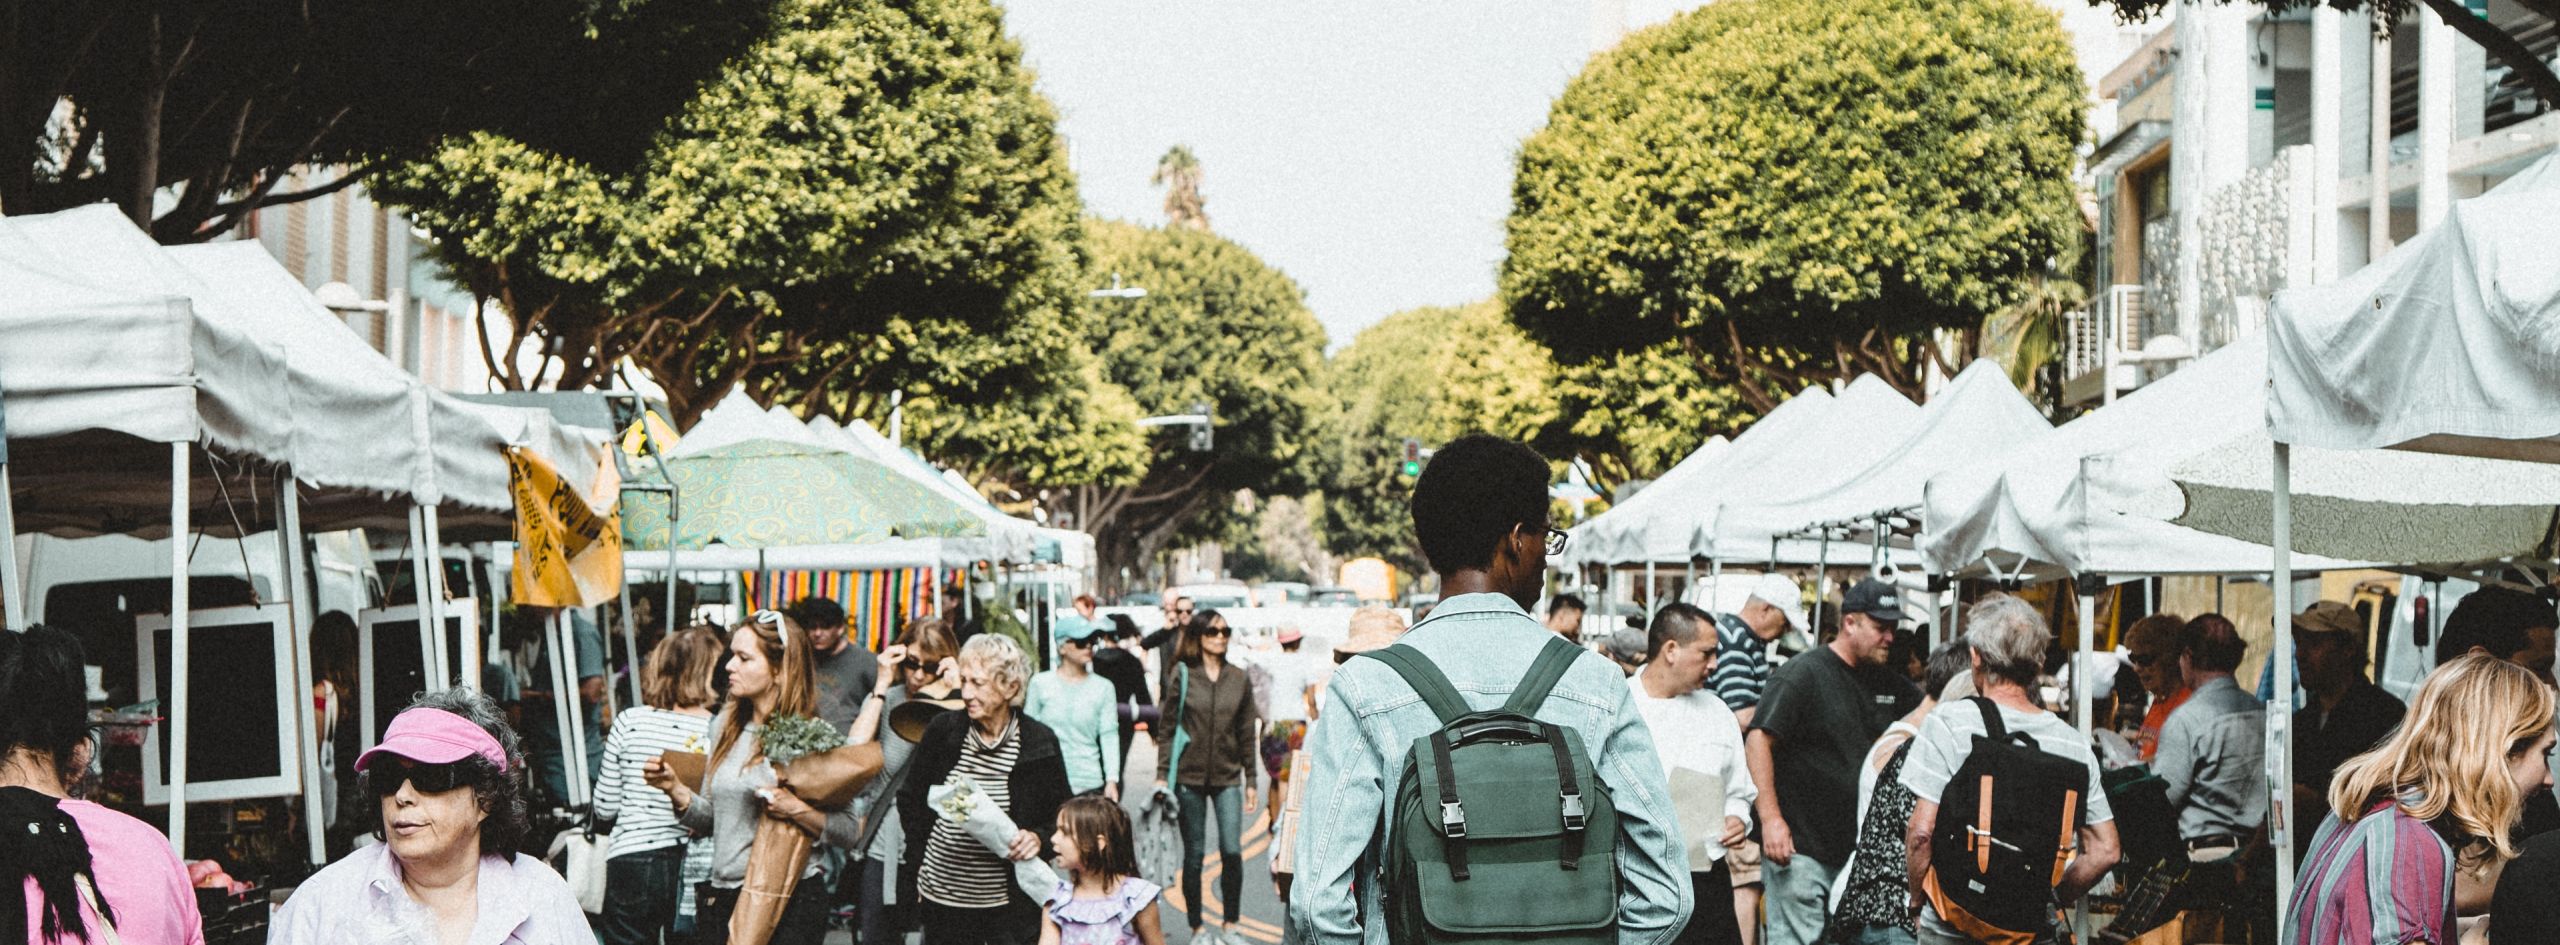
(1217, 631)
(387, 774)
(2142, 660)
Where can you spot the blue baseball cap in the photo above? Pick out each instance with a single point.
(1073, 628)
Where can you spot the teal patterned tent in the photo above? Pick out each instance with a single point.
(765, 493)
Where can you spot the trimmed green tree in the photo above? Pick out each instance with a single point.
(1792, 190)
(872, 200)
(1217, 326)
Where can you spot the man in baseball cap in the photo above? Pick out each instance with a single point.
(2345, 715)
(1775, 608)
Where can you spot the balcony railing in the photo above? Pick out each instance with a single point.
(2097, 340)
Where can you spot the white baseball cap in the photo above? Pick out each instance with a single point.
(1782, 592)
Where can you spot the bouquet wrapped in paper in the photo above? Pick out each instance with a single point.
(959, 803)
(809, 758)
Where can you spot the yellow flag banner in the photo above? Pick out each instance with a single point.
(567, 555)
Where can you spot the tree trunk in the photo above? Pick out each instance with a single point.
(143, 156)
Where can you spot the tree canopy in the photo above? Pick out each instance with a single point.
(1793, 190)
(1217, 326)
(225, 100)
(874, 199)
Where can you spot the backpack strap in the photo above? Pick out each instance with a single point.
(1568, 797)
(1553, 660)
(1991, 725)
(1453, 815)
(1426, 679)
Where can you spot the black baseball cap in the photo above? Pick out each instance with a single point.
(1873, 598)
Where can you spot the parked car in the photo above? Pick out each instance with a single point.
(1333, 597)
(1280, 593)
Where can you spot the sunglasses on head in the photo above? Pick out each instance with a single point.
(388, 773)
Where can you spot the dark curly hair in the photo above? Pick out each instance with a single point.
(501, 794)
(1476, 490)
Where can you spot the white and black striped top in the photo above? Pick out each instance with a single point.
(643, 817)
(958, 870)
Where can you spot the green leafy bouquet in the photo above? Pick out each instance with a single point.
(788, 738)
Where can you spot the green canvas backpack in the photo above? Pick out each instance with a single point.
(1500, 830)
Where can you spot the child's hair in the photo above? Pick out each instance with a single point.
(1091, 821)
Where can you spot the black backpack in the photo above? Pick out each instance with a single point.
(2007, 822)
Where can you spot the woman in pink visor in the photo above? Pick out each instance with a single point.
(450, 780)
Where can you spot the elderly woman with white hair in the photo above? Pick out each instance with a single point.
(967, 894)
(2008, 640)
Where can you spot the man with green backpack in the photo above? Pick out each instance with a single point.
(1484, 781)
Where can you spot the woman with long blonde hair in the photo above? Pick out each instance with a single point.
(2441, 795)
(768, 670)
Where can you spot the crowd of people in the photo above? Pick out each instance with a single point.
(1772, 775)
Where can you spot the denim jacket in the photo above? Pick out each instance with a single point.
(1484, 643)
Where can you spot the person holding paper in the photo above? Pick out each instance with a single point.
(1700, 743)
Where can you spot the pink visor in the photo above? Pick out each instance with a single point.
(435, 736)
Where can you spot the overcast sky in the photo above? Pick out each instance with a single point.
(1365, 147)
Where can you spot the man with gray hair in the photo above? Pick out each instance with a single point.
(2008, 641)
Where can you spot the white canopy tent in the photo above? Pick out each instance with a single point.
(2094, 496)
(1868, 410)
(1980, 413)
(1597, 541)
(1659, 523)
(2450, 343)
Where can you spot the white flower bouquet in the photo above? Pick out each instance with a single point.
(959, 803)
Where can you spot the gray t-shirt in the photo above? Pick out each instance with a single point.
(1946, 737)
(844, 679)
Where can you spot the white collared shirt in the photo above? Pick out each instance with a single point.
(360, 899)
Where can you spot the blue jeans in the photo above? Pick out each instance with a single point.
(640, 896)
(1195, 804)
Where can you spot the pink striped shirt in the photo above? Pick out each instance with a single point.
(2386, 879)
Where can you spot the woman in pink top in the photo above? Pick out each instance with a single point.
(2438, 799)
(87, 872)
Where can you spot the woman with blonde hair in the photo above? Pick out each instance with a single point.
(768, 670)
(2441, 795)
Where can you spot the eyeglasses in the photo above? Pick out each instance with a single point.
(387, 774)
(2142, 660)
(1556, 538)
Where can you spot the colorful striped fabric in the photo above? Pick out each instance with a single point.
(2386, 879)
(876, 603)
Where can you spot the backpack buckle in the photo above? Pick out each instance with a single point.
(1573, 813)
(1453, 820)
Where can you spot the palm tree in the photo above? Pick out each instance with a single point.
(1178, 172)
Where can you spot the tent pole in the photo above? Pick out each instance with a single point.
(2081, 699)
(430, 651)
(447, 675)
(1650, 605)
(13, 593)
(630, 640)
(1689, 587)
(296, 573)
(2280, 714)
(180, 496)
(564, 708)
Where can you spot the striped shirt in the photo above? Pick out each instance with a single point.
(1742, 664)
(643, 817)
(2386, 879)
(958, 870)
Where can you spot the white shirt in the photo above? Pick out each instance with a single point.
(1946, 737)
(1291, 674)
(1697, 732)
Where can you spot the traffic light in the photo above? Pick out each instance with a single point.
(1203, 434)
(1412, 457)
